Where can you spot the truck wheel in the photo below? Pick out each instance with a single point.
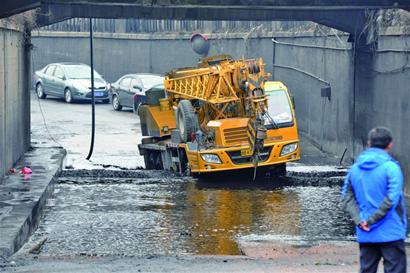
(187, 120)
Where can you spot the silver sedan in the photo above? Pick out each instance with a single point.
(71, 81)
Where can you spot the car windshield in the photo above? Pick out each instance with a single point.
(279, 106)
(80, 72)
(150, 81)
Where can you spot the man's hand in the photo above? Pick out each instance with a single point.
(363, 225)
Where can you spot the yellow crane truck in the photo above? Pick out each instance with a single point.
(222, 115)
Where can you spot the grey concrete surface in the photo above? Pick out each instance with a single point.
(141, 53)
(14, 107)
(23, 197)
(177, 264)
(382, 99)
(374, 93)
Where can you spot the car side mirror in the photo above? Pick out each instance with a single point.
(137, 87)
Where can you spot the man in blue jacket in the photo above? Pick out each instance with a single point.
(373, 196)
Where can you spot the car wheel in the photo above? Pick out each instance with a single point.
(68, 96)
(116, 103)
(40, 91)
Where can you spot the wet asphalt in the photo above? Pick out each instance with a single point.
(56, 123)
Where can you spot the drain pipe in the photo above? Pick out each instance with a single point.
(92, 92)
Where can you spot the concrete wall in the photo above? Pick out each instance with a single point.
(119, 54)
(374, 93)
(14, 98)
(383, 98)
(327, 122)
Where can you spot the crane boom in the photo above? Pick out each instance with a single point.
(217, 80)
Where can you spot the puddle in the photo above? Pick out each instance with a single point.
(175, 216)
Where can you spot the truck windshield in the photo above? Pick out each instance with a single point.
(279, 108)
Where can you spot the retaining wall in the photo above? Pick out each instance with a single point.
(371, 90)
(382, 97)
(14, 97)
(119, 54)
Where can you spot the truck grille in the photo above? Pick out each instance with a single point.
(193, 160)
(235, 136)
(238, 159)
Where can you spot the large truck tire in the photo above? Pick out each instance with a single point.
(187, 120)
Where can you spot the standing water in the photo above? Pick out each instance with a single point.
(145, 216)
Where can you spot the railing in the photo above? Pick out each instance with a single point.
(149, 26)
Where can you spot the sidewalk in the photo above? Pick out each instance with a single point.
(22, 198)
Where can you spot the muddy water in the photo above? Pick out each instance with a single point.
(176, 216)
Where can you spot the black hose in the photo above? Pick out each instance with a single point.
(92, 92)
(343, 156)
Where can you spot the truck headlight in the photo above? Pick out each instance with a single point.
(211, 158)
(289, 148)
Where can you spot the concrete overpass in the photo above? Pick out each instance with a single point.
(332, 13)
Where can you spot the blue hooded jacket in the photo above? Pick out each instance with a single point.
(372, 192)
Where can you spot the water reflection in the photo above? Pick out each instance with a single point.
(172, 216)
(219, 213)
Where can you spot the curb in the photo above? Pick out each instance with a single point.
(22, 215)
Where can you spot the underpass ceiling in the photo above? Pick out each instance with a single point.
(346, 15)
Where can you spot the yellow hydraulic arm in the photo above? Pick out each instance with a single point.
(224, 82)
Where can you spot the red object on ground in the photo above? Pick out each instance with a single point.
(26, 170)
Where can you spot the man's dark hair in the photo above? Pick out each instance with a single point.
(380, 137)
